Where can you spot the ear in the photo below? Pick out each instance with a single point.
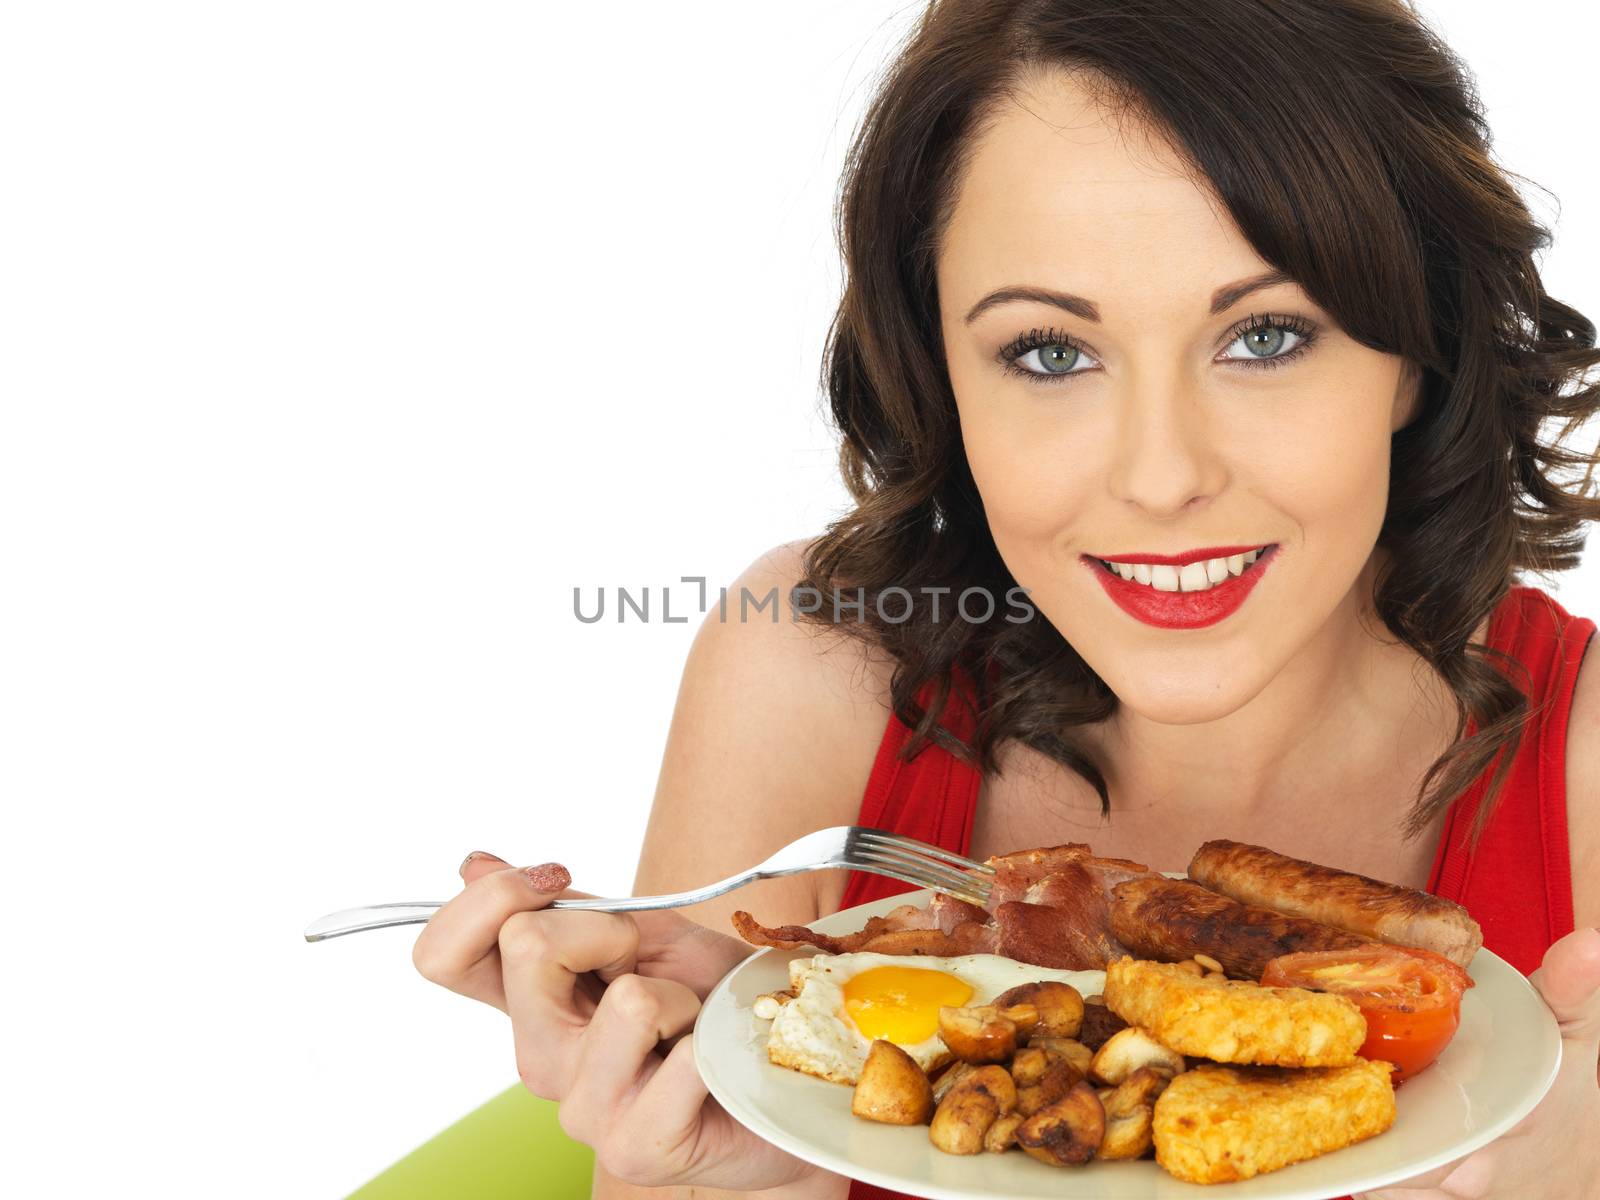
(1407, 396)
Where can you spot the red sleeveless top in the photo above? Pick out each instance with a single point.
(1517, 884)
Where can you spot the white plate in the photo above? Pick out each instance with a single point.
(1499, 1065)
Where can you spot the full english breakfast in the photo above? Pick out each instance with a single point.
(1255, 1014)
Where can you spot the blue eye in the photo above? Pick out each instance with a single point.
(1264, 339)
(1048, 354)
(1042, 354)
(1046, 357)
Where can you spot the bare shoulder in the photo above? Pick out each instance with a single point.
(773, 735)
(1583, 789)
(816, 677)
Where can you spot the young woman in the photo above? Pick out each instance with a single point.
(1213, 325)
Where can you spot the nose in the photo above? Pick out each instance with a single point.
(1164, 458)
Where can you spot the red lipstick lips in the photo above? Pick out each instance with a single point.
(1181, 610)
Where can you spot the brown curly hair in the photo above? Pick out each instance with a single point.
(1349, 145)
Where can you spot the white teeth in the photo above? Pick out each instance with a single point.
(1191, 577)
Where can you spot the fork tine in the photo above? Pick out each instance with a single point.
(912, 862)
(929, 874)
(917, 862)
(915, 881)
(881, 838)
(935, 867)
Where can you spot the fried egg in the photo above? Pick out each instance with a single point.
(843, 1001)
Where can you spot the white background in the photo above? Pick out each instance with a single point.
(340, 342)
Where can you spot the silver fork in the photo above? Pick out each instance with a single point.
(855, 846)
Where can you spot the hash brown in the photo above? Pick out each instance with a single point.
(1233, 1021)
(1219, 1124)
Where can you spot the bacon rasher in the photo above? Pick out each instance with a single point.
(1049, 907)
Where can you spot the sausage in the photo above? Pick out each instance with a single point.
(1173, 919)
(1383, 912)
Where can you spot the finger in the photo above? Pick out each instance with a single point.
(1569, 981)
(1415, 1187)
(550, 949)
(660, 1134)
(673, 1119)
(455, 947)
(545, 958)
(616, 1053)
(549, 877)
(672, 944)
(478, 864)
(1476, 1175)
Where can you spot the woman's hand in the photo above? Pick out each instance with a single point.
(1553, 1154)
(600, 1006)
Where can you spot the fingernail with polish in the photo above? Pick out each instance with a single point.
(474, 856)
(549, 877)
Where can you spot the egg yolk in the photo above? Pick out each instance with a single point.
(901, 1004)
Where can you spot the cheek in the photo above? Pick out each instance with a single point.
(1035, 492)
(1325, 464)
(1035, 467)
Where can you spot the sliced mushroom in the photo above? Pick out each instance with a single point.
(1002, 1134)
(978, 1035)
(950, 1078)
(1068, 1132)
(1129, 1049)
(1059, 1007)
(970, 1107)
(1042, 1077)
(1130, 1114)
(1074, 1052)
(1023, 1016)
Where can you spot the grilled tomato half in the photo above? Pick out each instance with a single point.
(1410, 998)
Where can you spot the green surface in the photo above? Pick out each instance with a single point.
(511, 1148)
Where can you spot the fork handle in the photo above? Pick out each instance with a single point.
(381, 916)
(621, 904)
(373, 916)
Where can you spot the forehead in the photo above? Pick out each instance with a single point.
(1057, 191)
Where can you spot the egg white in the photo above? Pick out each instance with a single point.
(813, 1032)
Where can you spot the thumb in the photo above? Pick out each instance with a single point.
(478, 864)
(547, 877)
(1569, 981)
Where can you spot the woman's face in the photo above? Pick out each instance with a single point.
(1151, 417)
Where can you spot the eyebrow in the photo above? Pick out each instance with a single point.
(1222, 299)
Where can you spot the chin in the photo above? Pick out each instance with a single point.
(1193, 698)
(1178, 687)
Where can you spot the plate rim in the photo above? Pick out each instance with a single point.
(866, 1173)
